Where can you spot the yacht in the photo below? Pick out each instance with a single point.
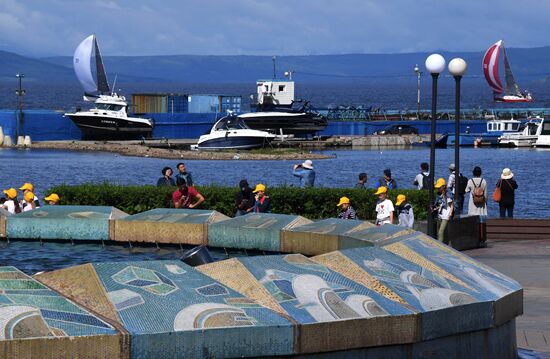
(277, 111)
(231, 132)
(109, 118)
(495, 129)
(526, 136)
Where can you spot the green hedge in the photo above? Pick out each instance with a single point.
(313, 203)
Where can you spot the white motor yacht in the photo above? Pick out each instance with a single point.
(231, 132)
(544, 137)
(526, 136)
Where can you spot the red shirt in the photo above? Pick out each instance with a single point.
(191, 195)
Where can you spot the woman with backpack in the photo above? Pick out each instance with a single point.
(477, 206)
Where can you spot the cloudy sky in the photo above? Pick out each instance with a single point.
(281, 27)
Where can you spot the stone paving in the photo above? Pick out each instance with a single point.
(528, 262)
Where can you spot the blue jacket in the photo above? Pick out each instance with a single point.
(392, 184)
(307, 177)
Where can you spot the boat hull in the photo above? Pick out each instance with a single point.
(107, 128)
(235, 142)
(289, 124)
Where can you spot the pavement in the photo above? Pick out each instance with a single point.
(528, 262)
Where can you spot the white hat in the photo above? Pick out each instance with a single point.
(452, 166)
(506, 174)
(308, 164)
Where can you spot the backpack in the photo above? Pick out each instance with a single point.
(478, 194)
(461, 185)
(425, 182)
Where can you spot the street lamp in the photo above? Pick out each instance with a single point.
(457, 68)
(418, 73)
(435, 64)
(20, 92)
(288, 74)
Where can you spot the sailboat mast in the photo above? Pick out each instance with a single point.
(102, 82)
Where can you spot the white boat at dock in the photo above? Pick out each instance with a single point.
(526, 136)
(544, 136)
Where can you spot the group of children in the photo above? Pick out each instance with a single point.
(13, 205)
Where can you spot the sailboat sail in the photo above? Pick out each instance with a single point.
(490, 67)
(511, 85)
(82, 67)
(102, 82)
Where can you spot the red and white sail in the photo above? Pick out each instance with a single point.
(490, 67)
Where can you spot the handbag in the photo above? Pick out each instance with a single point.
(497, 195)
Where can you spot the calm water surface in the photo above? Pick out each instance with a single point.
(46, 168)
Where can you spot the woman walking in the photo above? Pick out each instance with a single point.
(508, 187)
(477, 206)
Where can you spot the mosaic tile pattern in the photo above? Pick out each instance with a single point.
(28, 309)
(64, 222)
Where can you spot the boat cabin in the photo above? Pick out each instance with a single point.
(275, 93)
(503, 126)
(230, 123)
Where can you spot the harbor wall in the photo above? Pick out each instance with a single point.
(43, 125)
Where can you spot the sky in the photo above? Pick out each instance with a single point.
(273, 27)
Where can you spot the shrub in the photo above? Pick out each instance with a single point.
(313, 203)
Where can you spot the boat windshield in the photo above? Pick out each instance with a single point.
(231, 123)
(109, 106)
(545, 128)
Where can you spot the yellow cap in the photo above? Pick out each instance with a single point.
(52, 198)
(29, 197)
(12, 193)
(343, 200)
(27, 186)
(400, 199)
(259, 187)
(439, 183)
(380, 190)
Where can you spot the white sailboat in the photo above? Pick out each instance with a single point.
(509, 93)
(109, 118)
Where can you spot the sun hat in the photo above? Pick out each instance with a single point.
(27, 186)
(259, 187)
(308, 164)
(343, 200)
(52, 198)
(400, 199)
(506, 174)
(452, 166)
(29, 196)
(439, 183)
(380, 190)
(12, 193)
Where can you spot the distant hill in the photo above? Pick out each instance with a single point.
(529, 65)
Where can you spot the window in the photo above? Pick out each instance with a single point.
(545, 128)
(281, 88)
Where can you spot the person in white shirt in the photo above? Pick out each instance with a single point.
(11, 204)
(28, 202)
(384, 207)
(423, 177)
(26, 188)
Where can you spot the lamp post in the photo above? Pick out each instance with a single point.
(418, 73)
(20, 92)
(435, 64)
(457, 68)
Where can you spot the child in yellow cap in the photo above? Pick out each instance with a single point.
(11, 204)
(347, 210)
(263, 202)
(28, 203)
(384, 207)
(404, 210)
(444, 208)
(52, 199)
(26, 188)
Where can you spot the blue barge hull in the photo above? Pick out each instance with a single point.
(44, 125)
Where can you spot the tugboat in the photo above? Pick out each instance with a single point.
(231, 132)
(277, 111)
(109, 118)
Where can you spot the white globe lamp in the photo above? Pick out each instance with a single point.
(435, 64)
(457, 66)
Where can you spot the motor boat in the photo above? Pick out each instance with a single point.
(526, 136)
(495, 129)
(278, 112)
(544, 136)
(109, 118)
(231, 132)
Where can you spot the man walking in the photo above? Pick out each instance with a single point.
(386, 181)
(422, 180)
